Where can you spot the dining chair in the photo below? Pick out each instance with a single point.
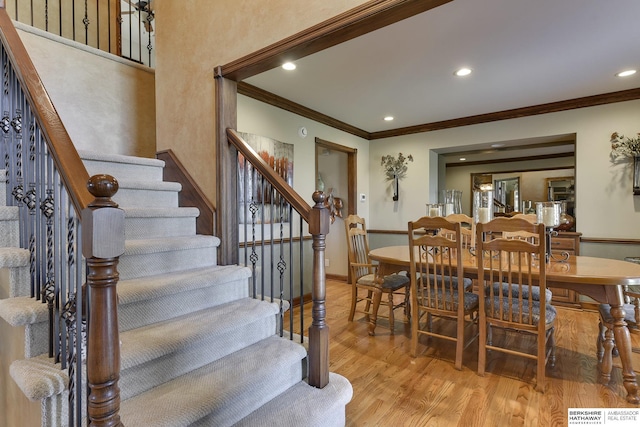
(467, 229)
(510, 271)
(364, 283)
(605, 344)
(435, 274)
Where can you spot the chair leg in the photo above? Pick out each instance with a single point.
(489, 335)
(600, 342)
(607, 359)
(552, 343)
(482, 345)
(367, 307)
(391, 318)
(415, 324)
(407, 302)
(459, 340)
(354, 300)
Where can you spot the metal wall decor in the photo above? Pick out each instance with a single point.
(395, 169)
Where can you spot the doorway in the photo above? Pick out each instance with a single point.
(336, 177)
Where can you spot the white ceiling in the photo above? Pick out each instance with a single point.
(522, 53)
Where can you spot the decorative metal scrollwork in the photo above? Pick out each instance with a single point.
(16, 123)
(5, 78)
(18, 193)
(71, 238)
(32, 141)
(5, 122)
(30, 200)
(282, 265)
(47, 205)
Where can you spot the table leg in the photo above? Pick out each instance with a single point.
(373, 318)
(623, 343)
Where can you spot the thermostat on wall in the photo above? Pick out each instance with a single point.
(302, 132)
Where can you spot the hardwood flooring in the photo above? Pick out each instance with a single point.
(391, 388)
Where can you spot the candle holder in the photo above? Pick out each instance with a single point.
(435, 209)
(452, 201)
(548, 213)
(483, 205)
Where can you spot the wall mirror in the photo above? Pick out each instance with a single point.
(506, 194)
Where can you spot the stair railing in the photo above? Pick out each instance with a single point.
(123, 30)
(272, 237)
(63, 215)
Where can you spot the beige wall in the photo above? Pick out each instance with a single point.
(605, 205)
(106, 103)
(262, 119)
(191, 45)
(233, 28)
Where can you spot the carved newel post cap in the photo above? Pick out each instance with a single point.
(103, 188)
(319, 197)
(319, 216)
(102, 220)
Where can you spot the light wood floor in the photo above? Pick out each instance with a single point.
(391, 388)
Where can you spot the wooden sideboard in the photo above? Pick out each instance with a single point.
(566, 241)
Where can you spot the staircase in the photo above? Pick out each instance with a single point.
(196, 350)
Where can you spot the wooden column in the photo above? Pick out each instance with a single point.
(102, 245)
(319, 330)
(227, 171)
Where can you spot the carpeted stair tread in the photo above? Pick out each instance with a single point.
(224, 391)
(145, 223)
(122, 167)
(170, 212)
(129, 184)
(303, 405)
(146, 300)
(158, 245)
(144, 288)
(165, 255)
(159, 339)
(9, 226)
(9, 213)
(22, 311)
(38, 377)
(14, 257)
(119, 158)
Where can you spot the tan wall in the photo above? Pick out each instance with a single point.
(191, 45)
(106, 103)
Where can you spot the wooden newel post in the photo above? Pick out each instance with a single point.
(102, 245)
(319, 330)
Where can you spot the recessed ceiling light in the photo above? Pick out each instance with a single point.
(289, 66)
(463, 72)
(497, 145)
(388, 118)
(626, 73)
(462, 159)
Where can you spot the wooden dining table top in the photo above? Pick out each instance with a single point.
(576, 269)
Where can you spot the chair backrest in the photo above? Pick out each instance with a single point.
(511, 270)
(358, 247)
(532, 218)
(436, 263)
(467, 229)
(521, 235)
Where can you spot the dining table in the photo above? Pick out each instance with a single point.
(601, 279)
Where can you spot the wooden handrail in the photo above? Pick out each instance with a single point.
(103, 235)
(319, 221)
(271, 176)
(72, 171)
(191, 193)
